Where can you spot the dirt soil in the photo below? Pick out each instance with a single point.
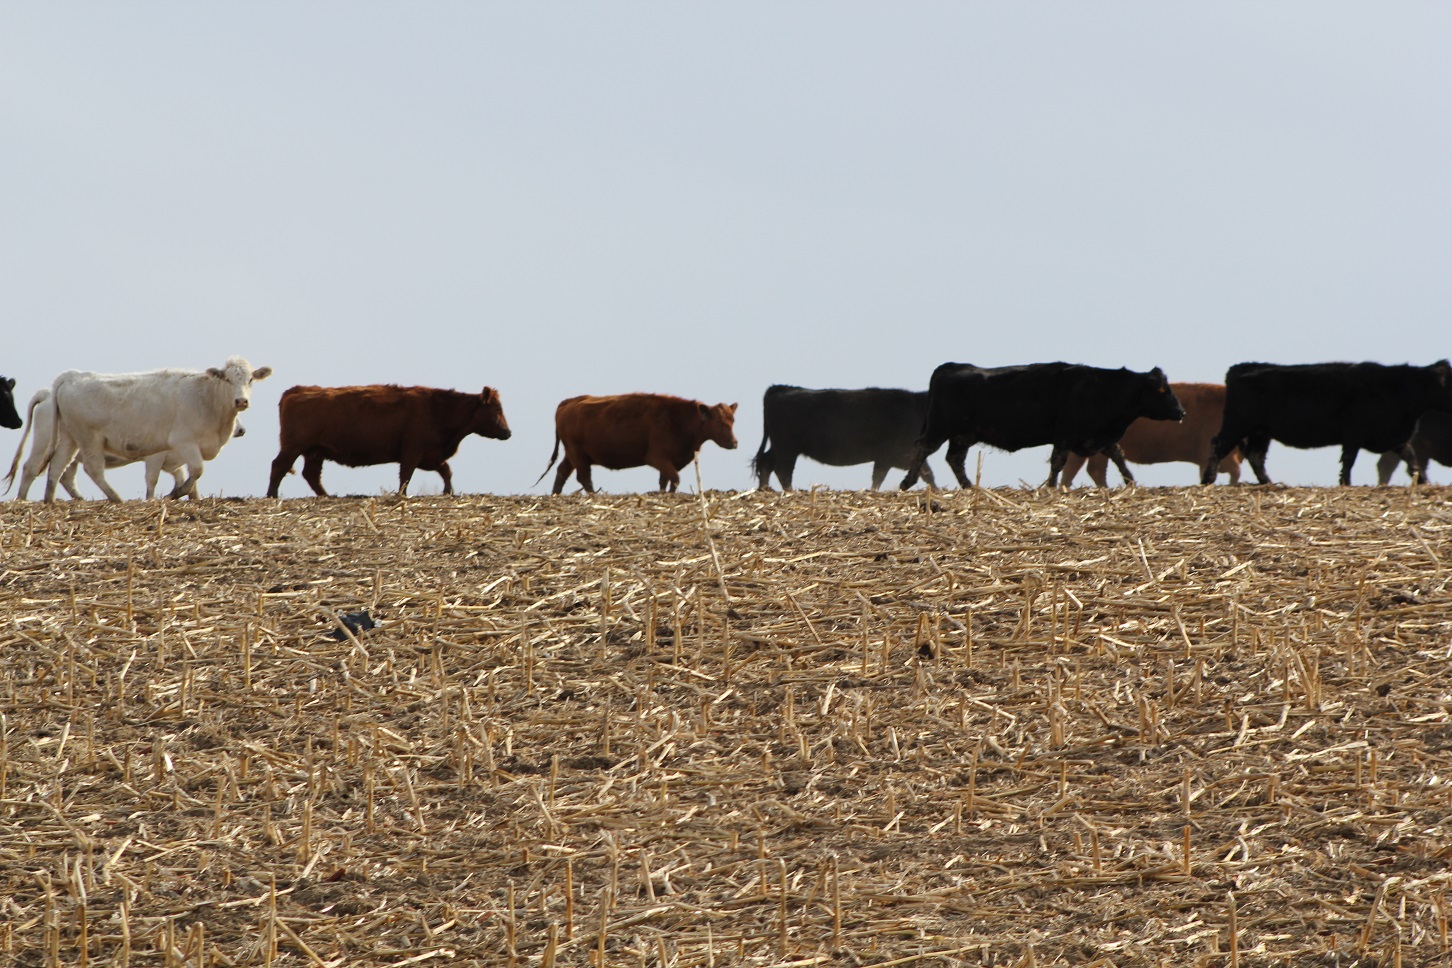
(1188, 726)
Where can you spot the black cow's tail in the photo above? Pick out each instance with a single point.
(553, 457)
(756, 460)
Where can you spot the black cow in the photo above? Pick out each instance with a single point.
(9, 417)
(838, 427)
(1358, 406)
(1432, 441)
(1078, 409)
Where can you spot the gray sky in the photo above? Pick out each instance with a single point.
(705, 199)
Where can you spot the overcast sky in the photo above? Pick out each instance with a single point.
(705, 199)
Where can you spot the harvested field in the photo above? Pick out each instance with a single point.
(1202, 726)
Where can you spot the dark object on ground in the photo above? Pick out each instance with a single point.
(357, 622)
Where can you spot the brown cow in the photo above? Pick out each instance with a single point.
(417, 427)
(634, 430)
(1163, 441)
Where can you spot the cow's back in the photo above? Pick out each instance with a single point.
(1013, 407)
(135, 414)
(616, 431)
(1367, 405)
(356, 426)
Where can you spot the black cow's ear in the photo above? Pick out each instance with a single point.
(8, 381)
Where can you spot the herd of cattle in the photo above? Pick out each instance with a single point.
(177, 420)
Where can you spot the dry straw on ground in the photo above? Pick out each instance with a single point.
(1203, 726)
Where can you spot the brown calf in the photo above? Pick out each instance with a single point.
(634, 430)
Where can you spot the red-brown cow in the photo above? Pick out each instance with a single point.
(634, 430)
(415, 427)
(1163, 441)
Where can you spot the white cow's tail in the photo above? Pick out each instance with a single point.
(24, 436)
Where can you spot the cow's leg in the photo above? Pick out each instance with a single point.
(448, 476)
(1231, 466)
(281, 465)
(312, 472)
(1255, 450)
(59, 459)
(786, 465)
(405, 474)
(1416, 464)
(575, 460)
(1219, 447)
(157, 463)
(957, 458)
(1057, 456)
(578, 461)
(879, 472)
(764, 464)
(1070, 470)
(1387, 465)
(562, 474)
(36, 464)
(68, 481)
(1117, 455)
(93, 459)
(153, 471)
(921, 450)
(670, 478)
(927, 472)
(191, 456)
(178, 477)
(586, 479)
(28, 475)
(1348, 457)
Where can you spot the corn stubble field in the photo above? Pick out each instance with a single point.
(1199, 726)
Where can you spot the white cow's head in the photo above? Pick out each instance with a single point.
(238, 374)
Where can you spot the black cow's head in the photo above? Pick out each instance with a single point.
(1442, 376)
(9, 418)
(1158, 401)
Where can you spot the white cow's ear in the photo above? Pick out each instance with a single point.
(262, 373)
(213, 371)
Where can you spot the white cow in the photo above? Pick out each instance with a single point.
(40, 419)
(190, 413)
